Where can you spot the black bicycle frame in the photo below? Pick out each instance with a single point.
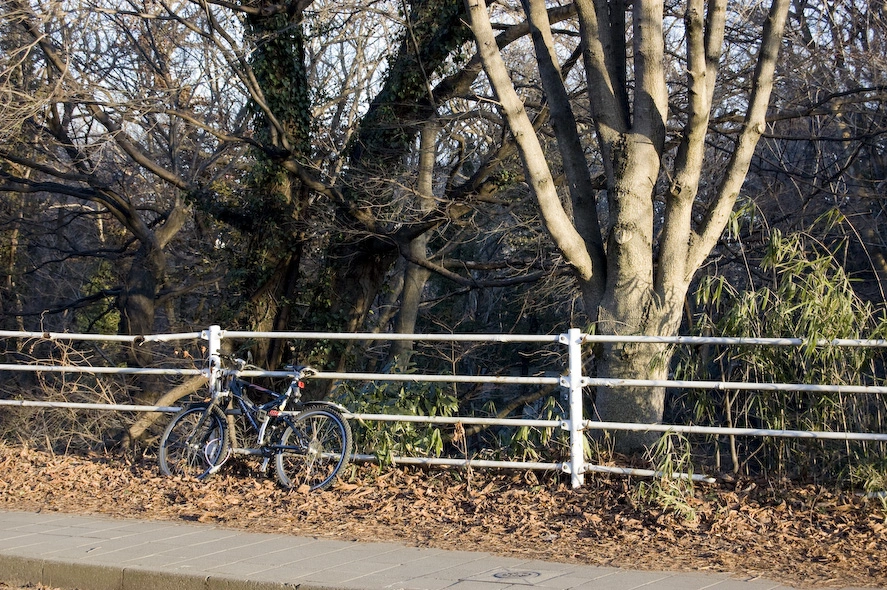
(258, 415)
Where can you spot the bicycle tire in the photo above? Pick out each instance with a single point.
(315, 447)
(192, 446)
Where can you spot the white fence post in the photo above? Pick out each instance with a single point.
(573, 382)
(213, 336)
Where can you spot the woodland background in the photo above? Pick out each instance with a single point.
(345, 166)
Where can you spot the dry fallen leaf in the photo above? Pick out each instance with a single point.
(780, 532)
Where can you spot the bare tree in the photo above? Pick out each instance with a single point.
(636, 281)
(115, 115)
(321, 151)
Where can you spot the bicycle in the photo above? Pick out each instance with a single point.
(310, 443)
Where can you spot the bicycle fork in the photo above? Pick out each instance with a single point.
(197, 444)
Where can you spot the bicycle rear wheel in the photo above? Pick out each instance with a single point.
(313, 449)
(195, 441)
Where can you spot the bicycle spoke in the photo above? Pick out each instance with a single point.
(193, 444)
(314, 449)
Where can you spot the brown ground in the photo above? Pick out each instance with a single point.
(804, 536)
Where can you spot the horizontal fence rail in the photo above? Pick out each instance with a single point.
(572, 381)
(99, 370)
(100, 337)
(500, 338)
(734, 385)
(683, 429)
(18, 403)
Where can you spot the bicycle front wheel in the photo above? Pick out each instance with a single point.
(195, 441)
(313, 449)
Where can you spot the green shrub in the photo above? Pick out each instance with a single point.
(385, 439)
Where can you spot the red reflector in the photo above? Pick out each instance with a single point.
(301, 384)
(273, 413)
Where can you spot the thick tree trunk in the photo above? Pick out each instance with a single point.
(279, 199)
(643, 405)
(138, 299)
(642, 289)
(137, 304)
(271, 312)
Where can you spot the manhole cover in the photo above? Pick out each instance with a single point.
(516, 577)
(510, 575)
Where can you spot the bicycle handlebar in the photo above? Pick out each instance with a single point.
(299, 371)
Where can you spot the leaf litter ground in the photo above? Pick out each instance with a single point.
(805, 536)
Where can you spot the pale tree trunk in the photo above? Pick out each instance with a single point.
(536, 169)
(630, 305)
(632, 288)
(583, 196)
(706, 236)
(629, 404)
(415, 276)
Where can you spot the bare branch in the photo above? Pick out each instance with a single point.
(755, 122)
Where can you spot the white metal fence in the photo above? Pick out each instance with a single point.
(571, 380)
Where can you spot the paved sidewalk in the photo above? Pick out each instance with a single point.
(96, 553)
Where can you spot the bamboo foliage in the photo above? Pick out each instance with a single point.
(808, 294)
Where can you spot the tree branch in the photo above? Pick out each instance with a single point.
(703, 54)
(755, 122)
(536, 168)
(576, 170)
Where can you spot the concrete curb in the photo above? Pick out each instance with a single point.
(70, 574)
